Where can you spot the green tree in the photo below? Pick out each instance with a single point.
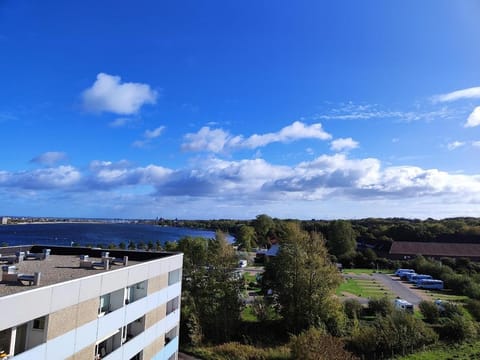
(263, 225)
(246, 237)
(341, 239)
(305, 280)
(212, 288)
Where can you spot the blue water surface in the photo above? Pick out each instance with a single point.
(93, 234)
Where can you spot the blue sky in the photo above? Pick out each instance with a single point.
(228, 109)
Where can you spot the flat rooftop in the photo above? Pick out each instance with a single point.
(63, 264)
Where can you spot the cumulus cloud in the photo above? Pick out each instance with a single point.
(343, 144)
(107, 174)
(109, 94)
(148, 136)
(62, 177)
(252, 181)
(219, 140)
(49, 158)
(474, 118)
(470, 93)
(455, 145)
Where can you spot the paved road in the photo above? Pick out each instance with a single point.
(400, 289)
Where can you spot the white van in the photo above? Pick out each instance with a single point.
(242, 263)
(404, 305)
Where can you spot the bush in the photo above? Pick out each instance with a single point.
(456, 329)
(473, 307)
(315, 344)
(381, 306)
(397, 333)
(353, 308)
(430, 311)
(237, 351)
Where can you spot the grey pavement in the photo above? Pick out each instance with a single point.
(397, 287)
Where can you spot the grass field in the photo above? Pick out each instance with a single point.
(362, 271)
(469, 351)
(367, 288)
(446, 296)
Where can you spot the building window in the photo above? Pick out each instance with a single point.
(133, 329)
(108, 345)
(104, 306)
(172, 305)
(170, 335)
(174, 276)
(39, 324)
(138, 356)
(136, 292)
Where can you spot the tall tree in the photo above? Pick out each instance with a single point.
(305, 280)
(246, 237)
(341, 239)
(211, 290)
(263, 224)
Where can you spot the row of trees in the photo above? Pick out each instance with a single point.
(370, 229)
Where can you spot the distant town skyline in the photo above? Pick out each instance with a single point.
(208, 110)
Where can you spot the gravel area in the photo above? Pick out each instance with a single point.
(55, 269)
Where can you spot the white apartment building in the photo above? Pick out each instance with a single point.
(89, 304)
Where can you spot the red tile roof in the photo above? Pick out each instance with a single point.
(435, 249)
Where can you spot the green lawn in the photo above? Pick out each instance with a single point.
(368, 288)
(248, 315)
(362, 271)
(467, 351)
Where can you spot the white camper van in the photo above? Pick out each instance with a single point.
(404, 305)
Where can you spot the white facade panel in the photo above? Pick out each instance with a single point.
(61, 347)
(135, 310)
(137, 273)
(110, 323)
(22, 307)
(64, 295)
(113, 280)
(38, 352)
(174, 290)
(90, 288)
(155, 269)
(86, 335)
(134, 346)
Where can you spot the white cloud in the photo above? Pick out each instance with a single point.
(109, 94)
(49, 158)
(252, 183)
(148, 136)
(120, 122)
(476, 144)
(343, 144)
(455, 145)
(152, 134)
(218, 140)
(206, 139)
(474, 118)
(49, 178)
(295, 131)
(470, 93)
(352, 111)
